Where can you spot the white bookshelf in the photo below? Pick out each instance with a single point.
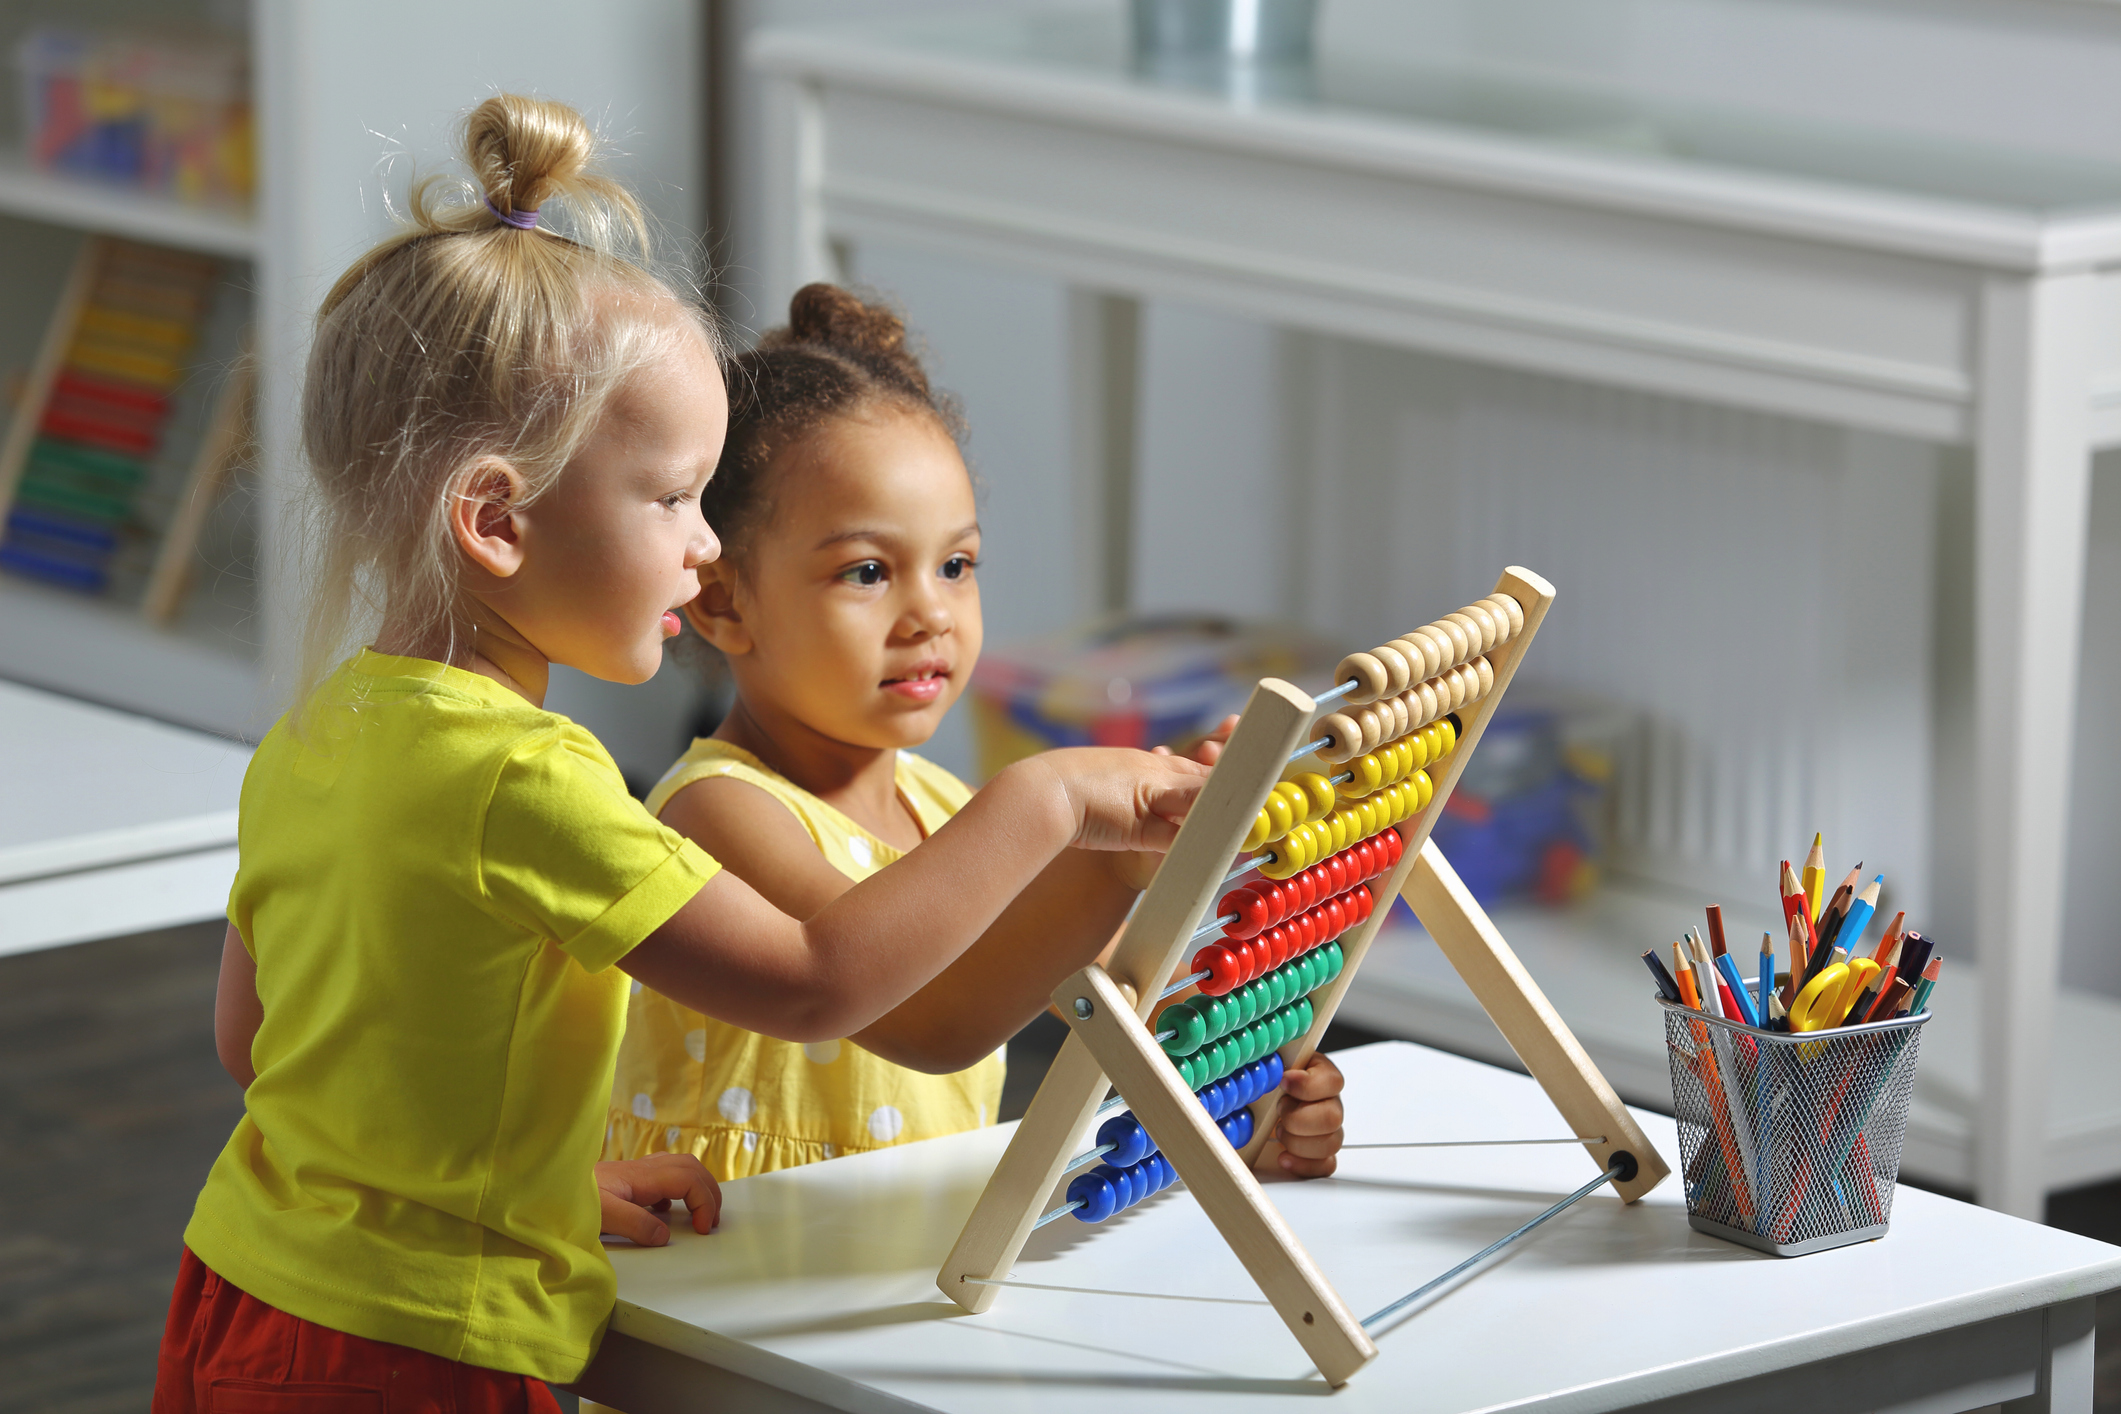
(109, 210)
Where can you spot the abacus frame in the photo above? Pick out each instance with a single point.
(1107, 1009)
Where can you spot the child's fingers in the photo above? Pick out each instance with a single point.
(1319, 1117)
(623, 1218)
(1304, 1167)
(1317, 1079)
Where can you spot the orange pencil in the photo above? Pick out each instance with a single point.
(1891, 940)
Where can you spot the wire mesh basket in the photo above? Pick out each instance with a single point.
(1790, 1143)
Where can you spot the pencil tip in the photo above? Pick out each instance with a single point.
(1819, 838)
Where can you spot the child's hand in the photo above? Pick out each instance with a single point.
(1209, 749)
(1135, 868)
(1122, 798)
(635, 1190)
(1310, 1131)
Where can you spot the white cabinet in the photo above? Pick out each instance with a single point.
(1607, 227)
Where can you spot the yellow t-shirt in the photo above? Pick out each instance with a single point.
(435, 885)
(746, 1103)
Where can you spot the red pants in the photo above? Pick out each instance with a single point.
(225, 1352)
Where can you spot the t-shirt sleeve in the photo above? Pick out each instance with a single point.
(567, 853)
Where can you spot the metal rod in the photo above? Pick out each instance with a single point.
(1333, 694)
(1310, 746)
(1212, 927)
(1057, 1213)
(1181, 984)
(1476, 1143)
(1090, 1156)
(1492, 1248)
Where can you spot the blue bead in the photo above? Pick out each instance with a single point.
(1095, 1192)
(1225, 1098)
(1165, 1174)
(1249, 1080)
(1129, 1141)
(1273, 1074)
(1238, 1129)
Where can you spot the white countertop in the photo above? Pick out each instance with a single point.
(109, 823)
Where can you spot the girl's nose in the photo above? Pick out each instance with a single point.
(928, 617)
(703, 548)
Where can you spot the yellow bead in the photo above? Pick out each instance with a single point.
(1283, 864)
(1336, 827)
(1399, 800)
(1402, 758)
(1450, 737)
(1299, 801)
(1418, 748)
(1370, 772)
(1427, 793)
(1262, 829)
(1280, 817)
(1318, 791)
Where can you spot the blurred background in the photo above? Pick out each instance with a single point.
(1200, 457)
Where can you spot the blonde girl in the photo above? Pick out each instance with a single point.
(847, 608)
(443, 888)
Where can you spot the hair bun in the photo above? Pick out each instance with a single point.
(524, 150)
(839, 319)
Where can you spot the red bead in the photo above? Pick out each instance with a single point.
(1365, 903)
(1279, 897)
(1395, 846)
(1308, 933)
(1250, 908)
(1338, 917)
(1223, 966)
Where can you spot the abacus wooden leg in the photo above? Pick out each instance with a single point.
(1527, 1020)
(1215, 1175)
(1053, 1128)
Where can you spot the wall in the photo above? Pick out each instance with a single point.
(353, 99)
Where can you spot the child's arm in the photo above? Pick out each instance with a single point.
(732, 954)
(237, 1011)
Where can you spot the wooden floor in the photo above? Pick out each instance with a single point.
(112, 1107)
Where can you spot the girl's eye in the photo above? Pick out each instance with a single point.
(958, 566)
(676, 499)
(866, 573)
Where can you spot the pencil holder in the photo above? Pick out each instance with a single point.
(1790, 1143)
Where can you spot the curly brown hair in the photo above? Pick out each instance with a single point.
(838, 356)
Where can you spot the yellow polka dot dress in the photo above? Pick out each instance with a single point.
(747, 1103)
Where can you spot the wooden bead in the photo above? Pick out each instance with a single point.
(1455, 636)
(1511, 610)
(1367, 670)
(1423, 708)
(1398, 671)
(1482, 666)
(1373, 728)
(1395, 710)
(1346, 734)
(1470, 629)
(1490, 626)
(1455, 684)
(1424, 654)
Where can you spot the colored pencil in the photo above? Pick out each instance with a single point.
(1890, 939)
(1814, 876)
(1858, 918)
(1890, 1001)
(1767, 975)
(1741, 999)
(1667, 985)
(1705, 975)
(1716, 929)
(1683, 973)
(1930, 974)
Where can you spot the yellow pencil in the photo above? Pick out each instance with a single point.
(1815, 873)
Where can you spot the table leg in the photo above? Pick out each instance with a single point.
(2032, 494)
(2065, 1372)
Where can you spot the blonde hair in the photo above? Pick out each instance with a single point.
(461, 338)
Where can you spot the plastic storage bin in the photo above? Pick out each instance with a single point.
(1132, 682)
(1790, 1143)
(164, 114)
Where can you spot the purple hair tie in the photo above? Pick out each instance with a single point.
(521, 220)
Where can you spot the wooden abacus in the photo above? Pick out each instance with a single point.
(1403, 701)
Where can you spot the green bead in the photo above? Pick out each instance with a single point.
(1247, 1005)
(1306, 974)
(1215, 1012)
(1336, 959)
(1189, 1028)
(1307, 1013)
(1283, 981)
(1220, 1062)
(1278, 1030)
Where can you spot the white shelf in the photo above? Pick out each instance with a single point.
(1587, 961)
(112, 210)
(108, 653)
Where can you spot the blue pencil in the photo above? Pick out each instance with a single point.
(1739, 990)
(1767, 973)
(1861, 907)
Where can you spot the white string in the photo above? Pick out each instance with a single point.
(1100, 1291)
(1475, 1143)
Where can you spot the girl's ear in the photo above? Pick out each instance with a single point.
(484, 512)
(714, 615)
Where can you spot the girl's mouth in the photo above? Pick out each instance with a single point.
(923, 684)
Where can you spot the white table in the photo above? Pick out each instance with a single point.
(1864, 278)
(109, 823)
(818, 1291)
